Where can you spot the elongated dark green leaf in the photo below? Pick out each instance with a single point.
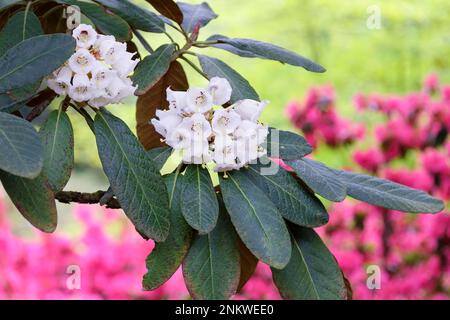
(216, 68)
(33, 198)
(21, 26)
(152, 68)
(230, 48)
(273, 52)
(7, 3)
(286, 145)
(211, 268)
(16, 98)
(33, 59)
(160, 155)
(169, 9)
(196, 14)
(133, 176)
(200, 207)
(21, 151)
(57, 138)
(256, 219)
(321, 179)
(167, 256)
(388, 194)
(135, 15)
(292, 200)
(312, 273)
(106, 22)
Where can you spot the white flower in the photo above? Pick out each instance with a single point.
(176, 99)
(179, 138)
(100, 101)
(125, 65)
(82, 62)
(125, 91)
(81, 89)
(85, 36)
(224, 150)
(198, 100)
(198, 126)
(261, 133)
(220, 90)
(100, 39)
(250, 109)
(246, 129)
(197, 153)
(112, 51)
(225, 120)
(102, 76)
(159, 127)
(247, 150)
(168, 121)
(60, 84)
(114, 87)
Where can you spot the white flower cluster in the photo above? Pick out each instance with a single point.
(98, 72)
(230, 137)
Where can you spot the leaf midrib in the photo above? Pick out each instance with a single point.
(251, 205)
(307, 268)
(132, 170)
(57, 48)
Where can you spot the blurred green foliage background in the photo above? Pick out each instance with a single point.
(413, 40)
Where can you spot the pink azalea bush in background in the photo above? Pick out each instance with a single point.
(412, 251)
(111, 266)
(318, 120)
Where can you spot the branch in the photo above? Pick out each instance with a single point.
(89, 198)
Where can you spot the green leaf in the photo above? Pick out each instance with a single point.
(293, 201)
(167, 256)
(312, 273)
(272, 52)
(200, 207)
(230, 48)
(7, 3)
(159, 155)
(23, 25)
(16, 98)
(211, 268)
(286, 145)
(169, 9)
(152, 68)
(388, 194)
(57, 137)
(21, 151)
(215, 68)
(196, 14)
(133, 176)
(321, 179)
(33, 59)
(33, 198)
(105, 21)
(256, 219)
(136, 16)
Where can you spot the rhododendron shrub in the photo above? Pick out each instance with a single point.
(217, 222)
(412, 252)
